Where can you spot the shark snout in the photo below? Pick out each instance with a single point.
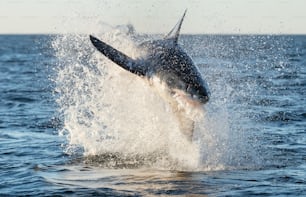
(203, 99)
(198, 92)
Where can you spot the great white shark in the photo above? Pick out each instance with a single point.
(165, 64)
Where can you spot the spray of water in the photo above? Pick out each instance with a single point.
(118, 121)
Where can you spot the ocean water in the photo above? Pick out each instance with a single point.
(74, 124)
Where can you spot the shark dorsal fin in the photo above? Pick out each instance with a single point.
(175, 32)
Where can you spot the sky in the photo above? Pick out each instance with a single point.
(154, 16)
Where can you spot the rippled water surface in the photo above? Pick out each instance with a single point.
(72, 123)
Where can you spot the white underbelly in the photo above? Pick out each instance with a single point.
(177, 98)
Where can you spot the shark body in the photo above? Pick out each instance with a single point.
(166, 64)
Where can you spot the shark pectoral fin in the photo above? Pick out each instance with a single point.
(186, 125)
(118, 57)
(175, 32)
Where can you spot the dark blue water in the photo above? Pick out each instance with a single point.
(258, 86)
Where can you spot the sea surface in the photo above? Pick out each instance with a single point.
(73, 124)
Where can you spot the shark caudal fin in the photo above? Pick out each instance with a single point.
(118, 57)
(175, 32)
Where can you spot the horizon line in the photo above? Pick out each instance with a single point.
(230, 34)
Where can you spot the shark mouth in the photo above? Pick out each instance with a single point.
(183, 98)
(186, 102)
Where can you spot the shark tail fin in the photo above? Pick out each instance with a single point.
(117, 57)
(175, 32)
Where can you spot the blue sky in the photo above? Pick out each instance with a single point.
(154, 16)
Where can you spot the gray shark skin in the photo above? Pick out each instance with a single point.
(171, 65)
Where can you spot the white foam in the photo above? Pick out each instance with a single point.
(108, 110)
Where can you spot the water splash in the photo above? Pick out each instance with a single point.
(119, 122)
